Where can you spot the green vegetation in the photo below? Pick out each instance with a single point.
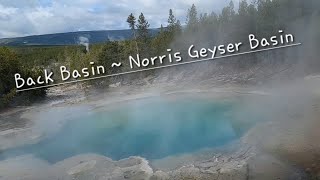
(10, 65)
(263, 18)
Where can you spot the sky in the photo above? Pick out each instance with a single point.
(34, 17)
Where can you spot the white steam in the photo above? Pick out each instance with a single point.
(85, 42)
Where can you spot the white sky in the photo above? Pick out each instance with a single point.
(32, 17)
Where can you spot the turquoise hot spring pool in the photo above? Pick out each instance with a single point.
(154, 129)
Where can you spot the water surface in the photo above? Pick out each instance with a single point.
(149, 128)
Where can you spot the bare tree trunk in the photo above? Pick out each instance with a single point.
(135, 40)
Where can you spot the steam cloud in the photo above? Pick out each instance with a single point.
(85, 42)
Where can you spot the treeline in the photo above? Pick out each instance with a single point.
(264, 18)
(261, 17)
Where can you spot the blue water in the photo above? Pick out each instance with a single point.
(149, 128)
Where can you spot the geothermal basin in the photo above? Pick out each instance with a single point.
(153, 128)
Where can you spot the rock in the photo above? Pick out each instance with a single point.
(82, 167)
(28, 168)
(266, 167)
(96, 167)
(75, 161)
(115, 85)
(243, 164)
(233, 171)
(135, 168)
(192, 172)
(159, 175)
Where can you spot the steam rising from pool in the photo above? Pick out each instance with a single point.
(149, 128)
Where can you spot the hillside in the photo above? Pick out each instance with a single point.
(70, 38)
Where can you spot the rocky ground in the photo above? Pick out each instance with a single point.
(246, 163)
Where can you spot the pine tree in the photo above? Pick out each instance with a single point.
(132, 24)
(174, 26)
(171, 21)
(111, 52)
(227, 13)
(192, 18)
(204, 19)
(231, 6)
(143, 28)
(243, 8)
(178, 27)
